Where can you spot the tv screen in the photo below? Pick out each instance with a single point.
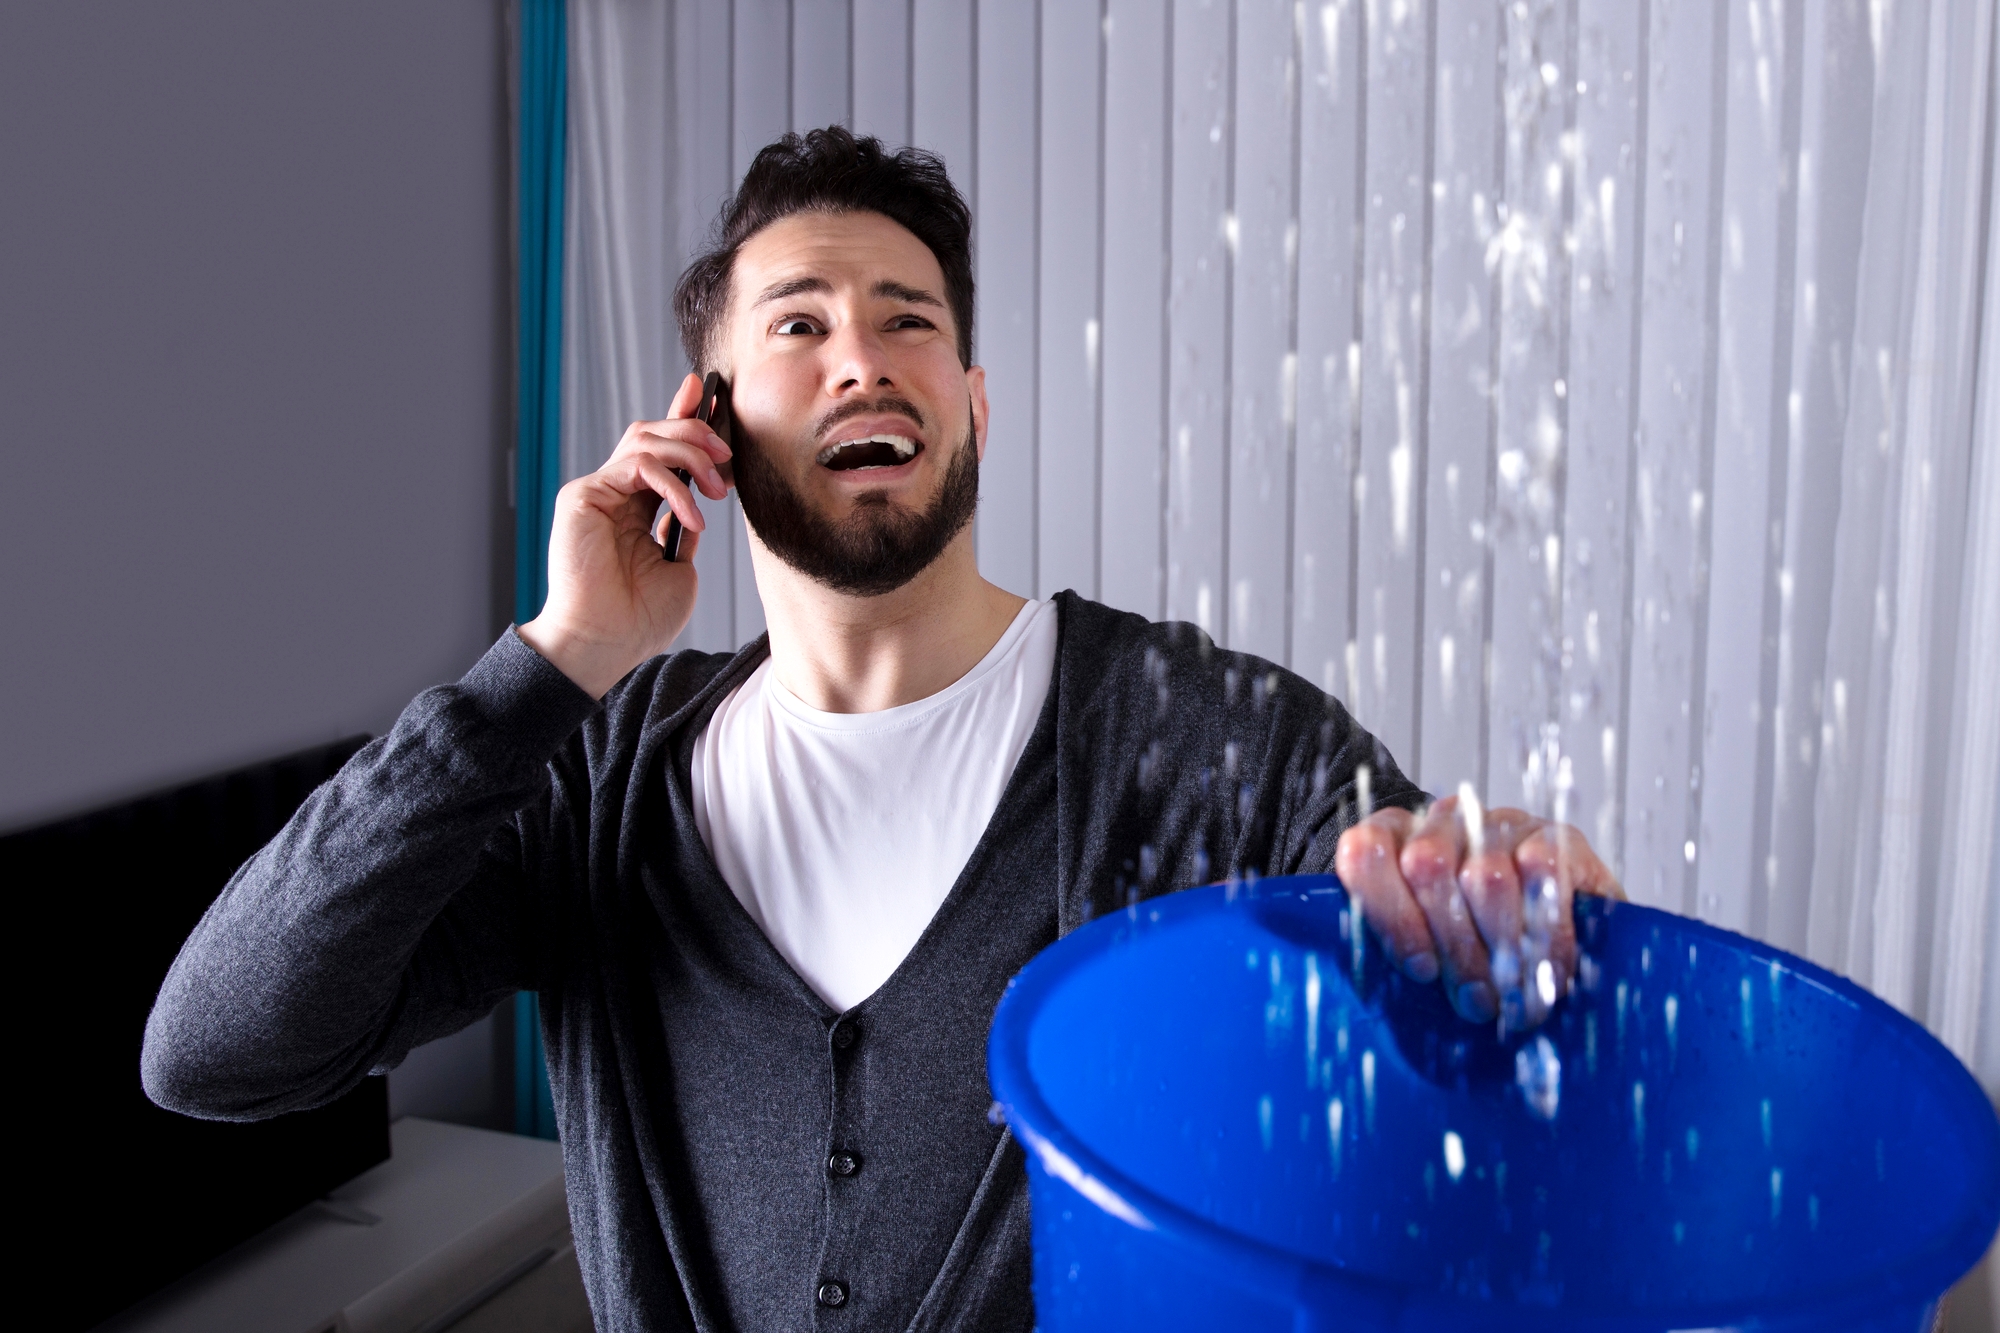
(131, 1197)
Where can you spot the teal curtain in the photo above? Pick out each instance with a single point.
(542, 135)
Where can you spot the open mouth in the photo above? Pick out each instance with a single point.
(869, 451)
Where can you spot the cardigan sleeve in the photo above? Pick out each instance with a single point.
(396, 906)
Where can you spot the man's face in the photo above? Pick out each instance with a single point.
(859, 434)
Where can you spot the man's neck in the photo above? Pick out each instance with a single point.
(845, 654)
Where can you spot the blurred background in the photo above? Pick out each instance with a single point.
(1597, 395)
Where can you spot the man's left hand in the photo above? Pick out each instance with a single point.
(1486, 909)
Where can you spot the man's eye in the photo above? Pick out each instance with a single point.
(910, 322)
(796, 327)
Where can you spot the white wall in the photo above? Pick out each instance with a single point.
(1581, 390)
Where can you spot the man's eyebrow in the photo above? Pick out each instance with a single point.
(791, 287)
(896, 291)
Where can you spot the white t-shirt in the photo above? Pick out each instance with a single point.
(841, 833)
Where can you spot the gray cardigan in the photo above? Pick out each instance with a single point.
(738, 1155)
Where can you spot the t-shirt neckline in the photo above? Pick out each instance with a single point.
(1009, 641)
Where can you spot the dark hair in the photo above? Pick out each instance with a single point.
(830, 171)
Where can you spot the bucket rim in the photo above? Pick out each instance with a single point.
(1927, 1271)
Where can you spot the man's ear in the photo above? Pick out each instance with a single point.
(975, 385)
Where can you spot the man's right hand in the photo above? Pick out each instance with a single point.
(614, 600)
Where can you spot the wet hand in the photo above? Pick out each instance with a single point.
(1477, 899)
(614, 600)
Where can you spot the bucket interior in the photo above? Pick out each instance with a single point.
(1729, 1131)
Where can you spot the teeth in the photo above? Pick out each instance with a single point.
(904, 447)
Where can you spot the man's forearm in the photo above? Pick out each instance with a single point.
(387, 910)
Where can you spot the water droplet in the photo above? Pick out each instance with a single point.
(1680, 1232)
(1312, 1016)
(1473, 818)
(1694, 1143)
(1368, 1090)
(1264, 1120)
(1538, 1074)
(1673, 1013)
(1812, 1210)
(1454, 1156)
(1624, 998)
(1777, 1191)
(1764, 1117)
(1335, 1112)
(1430, 1182)
(1639, 1115)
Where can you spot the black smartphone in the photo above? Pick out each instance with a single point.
(714, 409)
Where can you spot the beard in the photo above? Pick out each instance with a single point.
(878, 547)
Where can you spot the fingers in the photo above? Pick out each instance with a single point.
(641, 470)
(1562, 849)
(1433, 861)
(686, 444)
(1368, 860)
(686, 398)
(1489, 917)
(1556, 863)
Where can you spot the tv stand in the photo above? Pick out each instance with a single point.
(457, 1224)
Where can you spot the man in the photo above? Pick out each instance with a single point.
(771, 899)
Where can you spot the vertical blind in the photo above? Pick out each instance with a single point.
(1597, 395)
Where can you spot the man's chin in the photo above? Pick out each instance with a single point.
(865, 543)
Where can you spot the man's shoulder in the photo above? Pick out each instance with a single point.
(665, 690)
(1102, 643)
(1092, 631)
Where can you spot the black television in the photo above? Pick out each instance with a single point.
(127, 1197)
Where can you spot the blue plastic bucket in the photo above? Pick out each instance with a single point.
(1237, 1116)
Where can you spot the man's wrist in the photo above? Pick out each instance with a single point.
(591, 665)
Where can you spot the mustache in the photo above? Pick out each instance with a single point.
(887, 404)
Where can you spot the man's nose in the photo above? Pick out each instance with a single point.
(858, 358)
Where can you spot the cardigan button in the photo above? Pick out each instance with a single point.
(843, 1036)
(833, 1295)
(843, 1163)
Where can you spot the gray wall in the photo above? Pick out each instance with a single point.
(253, 378)
(254, 332)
